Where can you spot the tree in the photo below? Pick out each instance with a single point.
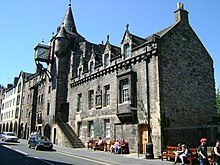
(218, 100)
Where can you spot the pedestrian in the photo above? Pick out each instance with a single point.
(181, 154)
(217, 153)
(202, 152)
(178, 152)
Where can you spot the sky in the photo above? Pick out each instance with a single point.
(24, 23)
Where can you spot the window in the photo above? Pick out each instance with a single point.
(18, 99)
(80, 73)
(26, 113)
(48, 108)
(19, 87)
(127, 51)
(91, 129)
(49, 89)
(91, 67)
(107, 95)
(91, 99)
(42, 98)
(107, 128)
(79, 102)
(16, 113)
(124, 88)
(106, 60)
(98, 100)
(80, 132)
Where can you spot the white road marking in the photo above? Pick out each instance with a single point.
(92, 160)
(44, 161)
(24, 153)
(6, 146)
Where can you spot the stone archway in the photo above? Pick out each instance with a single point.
(15, 127)
(47, 131)
(10, 127)
(21, 131)
(6, 129)
(3, 127)
(25, 131)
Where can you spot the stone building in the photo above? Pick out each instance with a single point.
(2, 91)
(146, 90)
(12, 100)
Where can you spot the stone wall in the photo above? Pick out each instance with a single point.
(187, 90)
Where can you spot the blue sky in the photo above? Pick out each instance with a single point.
(25, 22)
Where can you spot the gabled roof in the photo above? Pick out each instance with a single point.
(115, 51)
(161, 33)
(135, 39)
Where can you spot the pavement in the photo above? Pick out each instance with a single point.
(107, 158)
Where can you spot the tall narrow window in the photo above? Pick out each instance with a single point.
(107, 128)
(106, 60)
(91, 99)
(18, 99)
(80, 132)
(107, 95)
(80, 73)
(49, 89)
(127, 51)
(91, 129)
(48, 108)
(124, 87)
(19, 87)
(91, 67)
(79, 102)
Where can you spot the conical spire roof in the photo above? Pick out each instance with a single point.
(68, 21)
(62, 33)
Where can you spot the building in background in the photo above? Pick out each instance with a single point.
(2, 91)
(151, 89)
(12, 105)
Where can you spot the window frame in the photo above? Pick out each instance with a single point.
(107, 99)
(79, 102)
(106, 60)
(127, 51)
(91, 97)
(124, 90)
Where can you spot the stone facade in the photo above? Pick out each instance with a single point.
(144, 91)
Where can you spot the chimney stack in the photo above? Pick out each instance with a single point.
(181, 14)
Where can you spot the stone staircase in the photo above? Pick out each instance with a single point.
(70, 134)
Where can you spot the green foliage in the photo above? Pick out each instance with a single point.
(218, 100)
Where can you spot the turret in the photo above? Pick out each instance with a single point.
(61, 43)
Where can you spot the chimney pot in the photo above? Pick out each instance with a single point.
(180, 6)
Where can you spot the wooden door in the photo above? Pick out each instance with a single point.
(143, 134)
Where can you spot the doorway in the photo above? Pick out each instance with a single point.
(143, 138)
(47, 131)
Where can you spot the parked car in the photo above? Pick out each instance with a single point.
(9, 137)
(39, 142)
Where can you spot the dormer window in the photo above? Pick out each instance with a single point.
(91, 67)
(106, 60)
(127, 51)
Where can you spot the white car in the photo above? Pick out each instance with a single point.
(9, 137)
